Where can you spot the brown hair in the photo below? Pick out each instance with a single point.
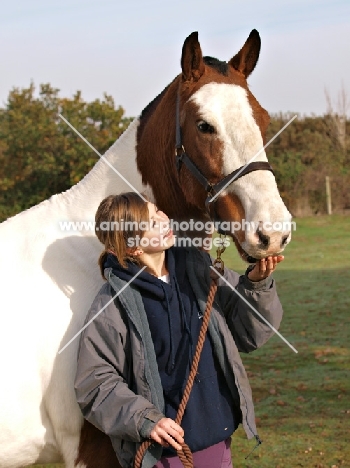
(118, 219)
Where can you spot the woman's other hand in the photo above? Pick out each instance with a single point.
(166, 432)
(264, 267)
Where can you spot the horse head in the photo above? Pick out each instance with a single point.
(217, 126)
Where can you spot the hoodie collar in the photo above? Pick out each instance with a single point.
(145, 281)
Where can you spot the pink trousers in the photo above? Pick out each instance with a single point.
(216, 456)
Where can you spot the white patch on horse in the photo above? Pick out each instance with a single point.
(48, 281)
(226, 107)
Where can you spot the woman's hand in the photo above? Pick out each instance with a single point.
(264, 267)
(166, 432)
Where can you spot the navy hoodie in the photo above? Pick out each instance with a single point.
(175, 319)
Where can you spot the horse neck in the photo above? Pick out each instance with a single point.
(82, 200)
(155, 152)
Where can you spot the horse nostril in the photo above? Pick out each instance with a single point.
(284, 240)
(263, 238)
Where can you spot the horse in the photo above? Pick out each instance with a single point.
(183, 151)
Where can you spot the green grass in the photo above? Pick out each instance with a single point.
(302, 400)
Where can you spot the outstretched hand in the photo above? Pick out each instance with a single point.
(264, 267)
(167, 432)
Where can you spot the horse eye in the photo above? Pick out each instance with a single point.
(204, 127)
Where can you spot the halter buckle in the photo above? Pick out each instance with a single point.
(218, 263)
(179, 152)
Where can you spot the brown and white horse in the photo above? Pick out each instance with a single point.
(49, 275)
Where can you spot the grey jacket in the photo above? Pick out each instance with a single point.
(117, 382)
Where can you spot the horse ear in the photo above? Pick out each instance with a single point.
(247, 57)
(192, 60)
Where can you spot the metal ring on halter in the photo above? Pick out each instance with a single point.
(218, 263)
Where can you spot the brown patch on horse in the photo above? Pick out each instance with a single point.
(205, 151)
(261, 116)
(162, 176)
(229, 207)
(95, 449)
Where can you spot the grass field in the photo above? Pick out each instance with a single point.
(302, 400)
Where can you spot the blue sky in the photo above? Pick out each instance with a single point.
(131, 49)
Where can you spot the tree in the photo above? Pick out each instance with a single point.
(40, 154)
(302, 156)
(337, 118)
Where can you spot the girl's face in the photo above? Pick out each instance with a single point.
(159, 236)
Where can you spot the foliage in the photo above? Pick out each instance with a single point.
(301, 402)
(41, 155)
(302, 156)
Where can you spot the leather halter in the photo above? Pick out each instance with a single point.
(211, 189)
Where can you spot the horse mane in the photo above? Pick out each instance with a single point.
(150, 108)
(218, 65)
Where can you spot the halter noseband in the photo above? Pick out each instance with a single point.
(211, 189)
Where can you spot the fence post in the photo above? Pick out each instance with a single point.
(328, 196)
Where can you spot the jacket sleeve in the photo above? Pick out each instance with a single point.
(240, 300)
(101, 382)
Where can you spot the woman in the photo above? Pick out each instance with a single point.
(135, 356)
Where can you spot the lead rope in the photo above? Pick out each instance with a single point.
(185, 454)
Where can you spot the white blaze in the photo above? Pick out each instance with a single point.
(226, 107)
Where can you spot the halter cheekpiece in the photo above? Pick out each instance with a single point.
(212, 189)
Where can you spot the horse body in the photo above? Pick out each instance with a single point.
(49, 275)
(49, 278)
